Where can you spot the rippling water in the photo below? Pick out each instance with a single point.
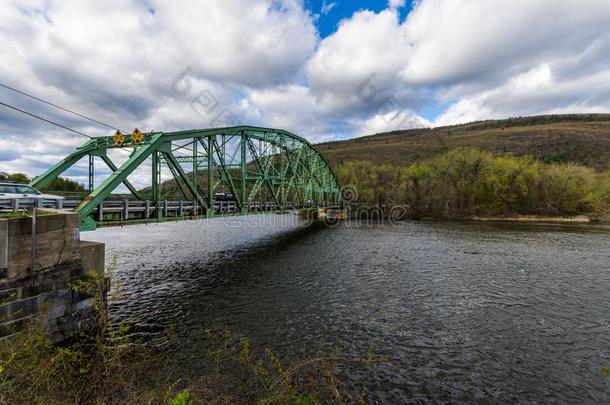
(464, 311)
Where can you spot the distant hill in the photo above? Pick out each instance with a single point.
(581, 138)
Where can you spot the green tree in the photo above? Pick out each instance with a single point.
(59, 184)
(386, 184)
(460, 173)
(567, 188)
(418, 184)
(360, 175)
(510, 185)
(470, 181)
(599, 198)
(16, 177)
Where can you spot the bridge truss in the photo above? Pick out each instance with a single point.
(249, 167)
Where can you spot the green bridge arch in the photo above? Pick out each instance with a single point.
(248, 163)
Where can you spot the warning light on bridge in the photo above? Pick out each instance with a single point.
(118, 138)
(137, 137)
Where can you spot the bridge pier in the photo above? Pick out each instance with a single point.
(38, 262)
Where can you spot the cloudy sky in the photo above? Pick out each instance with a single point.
(322, 69)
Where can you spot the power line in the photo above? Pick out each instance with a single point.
(57, 106)
(44, 119)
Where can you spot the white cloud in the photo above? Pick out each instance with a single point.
(327, 7)
(454, 41)
(391, 121)
(468, 54)
(262, 62)
(358, 65)
(537, 91)
(116, 61)
(396, 3)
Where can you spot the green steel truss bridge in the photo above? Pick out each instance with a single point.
(218, 171)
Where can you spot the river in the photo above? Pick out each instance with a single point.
(463, 311)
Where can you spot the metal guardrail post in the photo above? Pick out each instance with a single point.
(100, 212)
(146, 209)
(125, 210)
(33, 258)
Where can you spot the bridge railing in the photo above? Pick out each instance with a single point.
(27, 204)
(126, 210)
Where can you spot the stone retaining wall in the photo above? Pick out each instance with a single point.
(43, 289)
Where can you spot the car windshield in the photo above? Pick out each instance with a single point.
(26, 190)
(7, 188)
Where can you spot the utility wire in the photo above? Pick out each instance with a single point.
(44, 119)
(57, 106)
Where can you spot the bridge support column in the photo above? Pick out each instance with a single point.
(156, 173)
(195, 163)
(244, 173)
(91, 172)
(210, 158)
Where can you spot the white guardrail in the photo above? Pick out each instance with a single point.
(179, 207)
(27, 204)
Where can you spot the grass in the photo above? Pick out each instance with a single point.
(23, 214)
(18, 214)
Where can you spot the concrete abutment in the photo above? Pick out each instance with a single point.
(37, 284)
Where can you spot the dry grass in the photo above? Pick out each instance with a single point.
(104, 366)
(583, 139)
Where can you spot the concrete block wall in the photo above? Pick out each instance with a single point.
(43, 290)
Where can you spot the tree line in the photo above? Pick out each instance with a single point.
(59, 184)
(466, 182)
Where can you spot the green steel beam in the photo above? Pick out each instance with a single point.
(156, 182)
(192, 187)
(243, 167)
(264, 173)
(102, 192)
(209, 146)
(113, 167)
(227, 174)
(195, 162)
(54, 172)
(91, 173)
(176, 177)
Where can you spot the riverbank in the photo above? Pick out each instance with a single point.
(578, 219)
(400, 213)
(465, 182)
(105, 363)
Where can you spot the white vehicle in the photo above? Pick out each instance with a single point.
(12, 191)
